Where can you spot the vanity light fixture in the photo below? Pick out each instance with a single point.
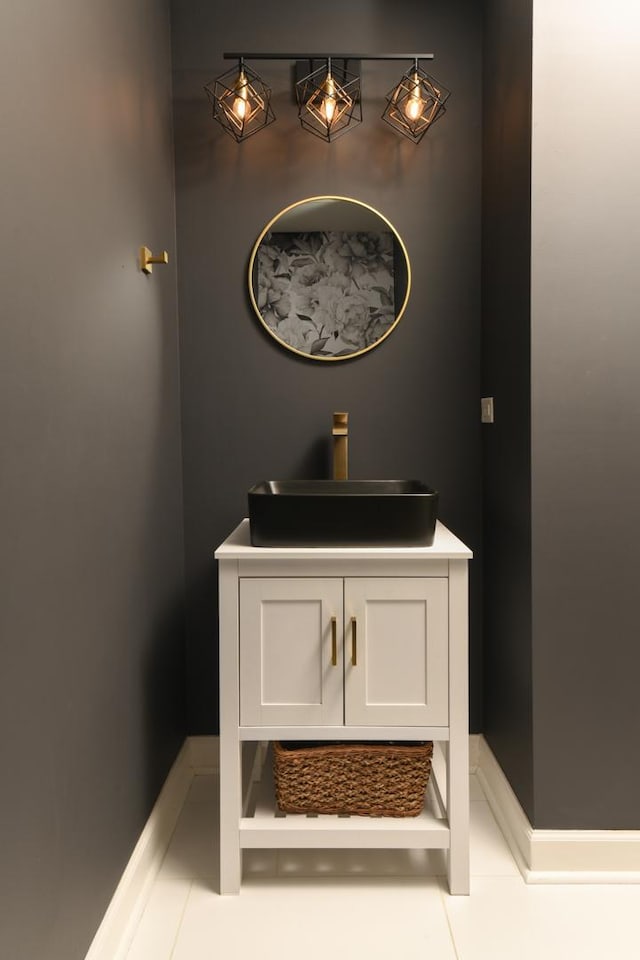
(415, 103)
(329, 96)
(241, 101)
(329, 100)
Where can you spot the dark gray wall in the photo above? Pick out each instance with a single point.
(585, 420)
(252, 410)
(91, 568)
(506, 358)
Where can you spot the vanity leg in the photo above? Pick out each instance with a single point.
(230, 800)
(458, 815)
(230, 746)
(458, 746)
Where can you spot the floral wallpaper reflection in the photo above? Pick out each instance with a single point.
(327, 294)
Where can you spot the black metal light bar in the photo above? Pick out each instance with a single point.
(326, 56)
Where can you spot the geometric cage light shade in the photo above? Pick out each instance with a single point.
(329, 100)
(241, 102)
(415, 103)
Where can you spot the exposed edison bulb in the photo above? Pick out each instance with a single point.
(415, 104)
(329, 103)
(241, 101)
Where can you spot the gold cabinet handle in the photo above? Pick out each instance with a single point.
(334, 642)
(354, 642)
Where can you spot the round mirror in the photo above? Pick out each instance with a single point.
(329, 278)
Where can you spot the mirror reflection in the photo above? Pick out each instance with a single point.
(329, 278)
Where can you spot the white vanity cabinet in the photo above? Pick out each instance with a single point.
(346, 644)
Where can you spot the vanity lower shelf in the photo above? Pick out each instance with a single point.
(264, 825)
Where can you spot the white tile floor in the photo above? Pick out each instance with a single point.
(372, 904)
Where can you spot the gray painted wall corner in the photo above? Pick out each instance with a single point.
(506, 358)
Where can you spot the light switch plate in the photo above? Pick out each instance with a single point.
(486, 410)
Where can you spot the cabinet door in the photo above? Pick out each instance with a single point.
(400, 674)
(287, 670)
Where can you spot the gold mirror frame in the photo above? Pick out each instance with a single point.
(399, 252)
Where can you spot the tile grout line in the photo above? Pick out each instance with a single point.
(180, 921)
(446, 914)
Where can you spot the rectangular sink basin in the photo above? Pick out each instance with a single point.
(342, 513)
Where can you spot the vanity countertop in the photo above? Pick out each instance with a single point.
(445, 546)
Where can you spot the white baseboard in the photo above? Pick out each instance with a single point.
(115, 933)
(474, 751)
(204, 754)
(557, 856)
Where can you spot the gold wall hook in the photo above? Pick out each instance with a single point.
(147, 258)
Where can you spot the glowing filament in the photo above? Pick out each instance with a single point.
(241, 106)
(329, 102)
(415, 104)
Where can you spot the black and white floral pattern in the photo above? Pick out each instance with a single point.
(327, 293)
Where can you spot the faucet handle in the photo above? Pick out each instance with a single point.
(340, 424)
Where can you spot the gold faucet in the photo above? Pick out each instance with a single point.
(340, 446)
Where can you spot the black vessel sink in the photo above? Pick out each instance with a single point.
(342, 513)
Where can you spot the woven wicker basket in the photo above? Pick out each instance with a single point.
(366, 779)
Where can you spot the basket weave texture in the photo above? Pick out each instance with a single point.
(367, 780)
